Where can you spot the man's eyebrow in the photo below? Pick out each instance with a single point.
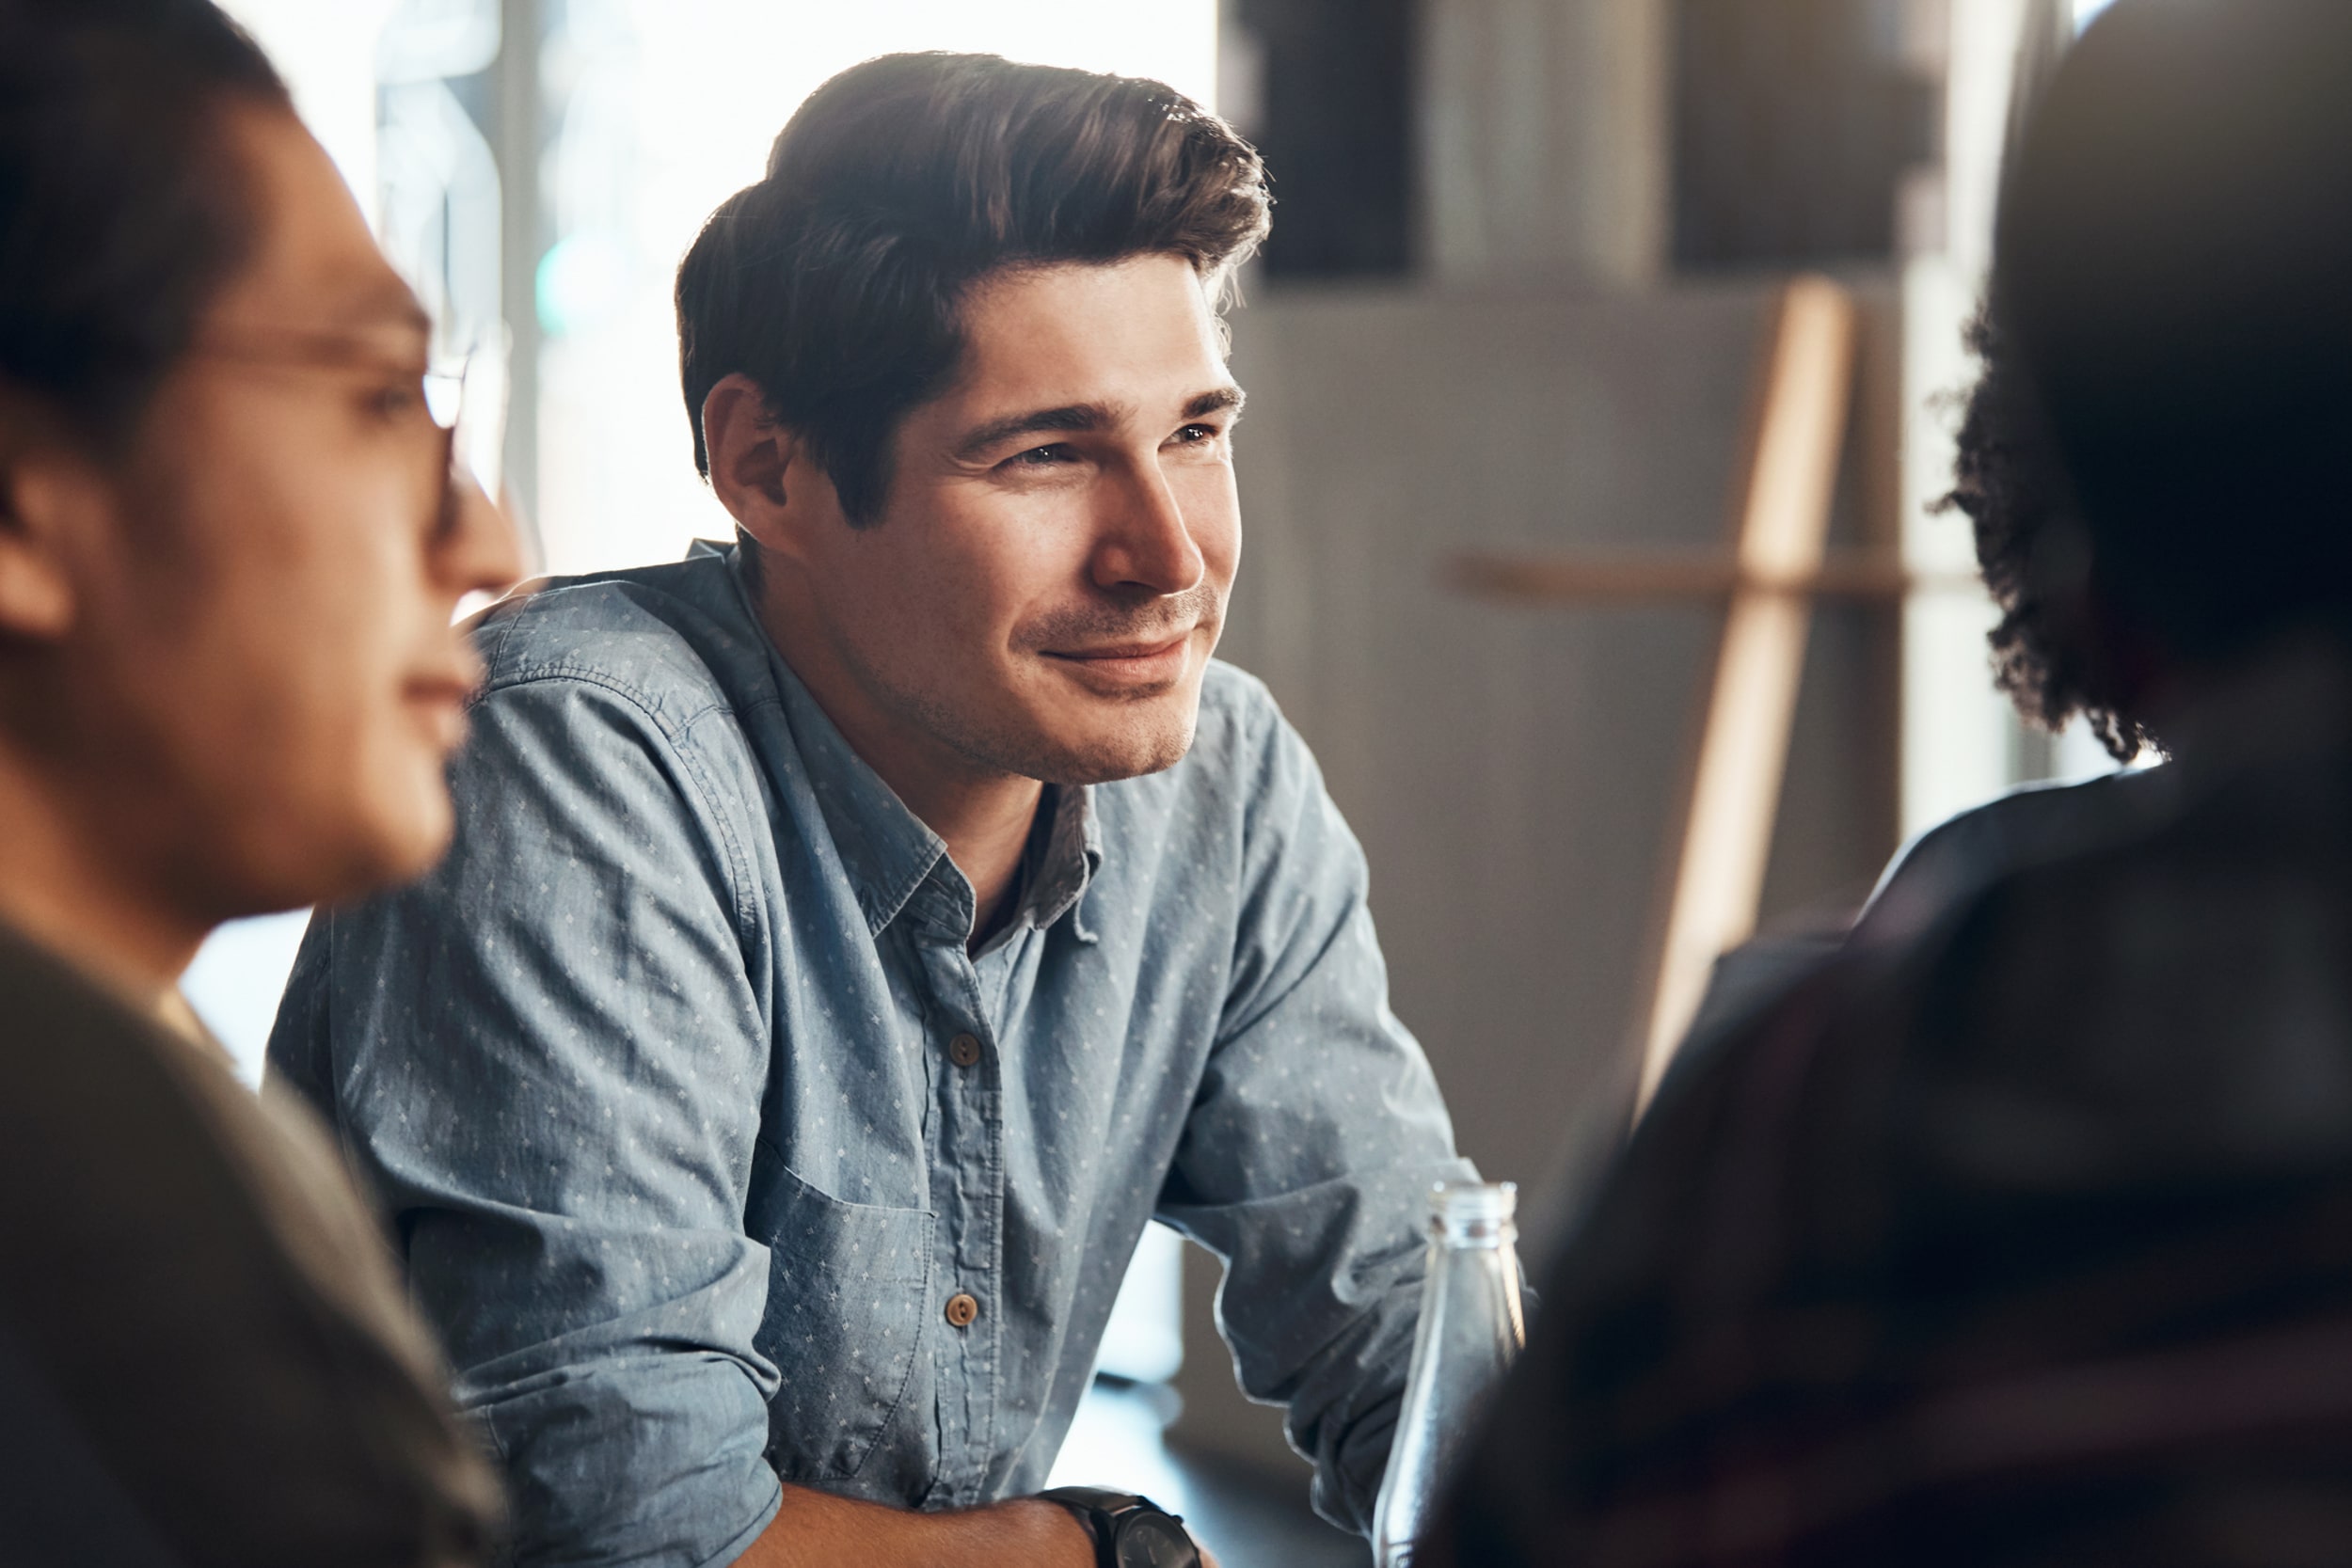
(1230, 398)
(1069, 418)
(1077, 417)
(391, 304)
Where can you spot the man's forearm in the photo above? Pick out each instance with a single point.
(816, 1529)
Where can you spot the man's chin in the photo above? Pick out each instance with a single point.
(339, 851)
(1129, 750)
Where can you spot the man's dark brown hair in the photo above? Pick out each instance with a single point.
(835, 282)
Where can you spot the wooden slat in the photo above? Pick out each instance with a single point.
(1781, 513)
(1601, 576)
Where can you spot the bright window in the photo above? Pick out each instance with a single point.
(2085, 10)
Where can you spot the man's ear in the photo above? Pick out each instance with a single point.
(42, 487)
(756, 464)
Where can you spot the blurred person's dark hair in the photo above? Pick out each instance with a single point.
(2006, 480)
(2174, 271)
(1895, 1270)
(229, 559)
(120, 210)
(835, 282)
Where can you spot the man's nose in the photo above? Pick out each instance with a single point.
(1144, 543)
(479, 552)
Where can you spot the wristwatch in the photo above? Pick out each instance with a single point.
(1129, 1531)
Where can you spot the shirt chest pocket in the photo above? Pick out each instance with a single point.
(848, 1286)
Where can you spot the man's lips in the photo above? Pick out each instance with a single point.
(1131, 663)
(441, 696)
(1123, 652)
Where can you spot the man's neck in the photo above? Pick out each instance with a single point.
(985, 815)
(60, 887)
(988, 843)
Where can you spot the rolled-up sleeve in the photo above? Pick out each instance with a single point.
(1312, 1142)
(548, 1059)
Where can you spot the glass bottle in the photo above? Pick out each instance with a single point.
(1470, 1328)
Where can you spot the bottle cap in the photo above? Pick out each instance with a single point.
(1480, 1212)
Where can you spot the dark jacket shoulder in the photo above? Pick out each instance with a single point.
(208, 1300)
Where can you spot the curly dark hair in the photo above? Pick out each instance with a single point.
(2006, 481)
(2168, 284)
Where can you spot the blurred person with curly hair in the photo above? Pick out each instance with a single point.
(2014, 1233)
(2045, 652)
(2054, 658)
(2059, 653)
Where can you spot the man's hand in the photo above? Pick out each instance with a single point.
(816, 1529)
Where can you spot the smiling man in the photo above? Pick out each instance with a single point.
(855, 935)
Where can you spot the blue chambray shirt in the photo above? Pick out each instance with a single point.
(657, 1075)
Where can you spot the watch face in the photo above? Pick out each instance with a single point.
(1154, 1541)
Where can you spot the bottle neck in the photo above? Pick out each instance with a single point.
(1467, 1215)
(1460, 1234)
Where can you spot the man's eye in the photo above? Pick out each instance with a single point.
(1042, 457)
(395, 400)
(1193, 435)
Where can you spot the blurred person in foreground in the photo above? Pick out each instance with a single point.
(855, 936)
(2020, 1237)
(228, 557)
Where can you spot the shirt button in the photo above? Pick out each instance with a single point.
(963, 1049)
(961, 1310)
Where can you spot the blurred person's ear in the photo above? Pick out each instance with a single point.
(49, 494)
(760, 471)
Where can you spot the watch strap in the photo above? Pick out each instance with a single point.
(1099, 1508)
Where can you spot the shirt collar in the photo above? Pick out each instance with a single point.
(888, 853)
(1073, 853)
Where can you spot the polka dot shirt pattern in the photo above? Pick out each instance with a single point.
(715, 1158)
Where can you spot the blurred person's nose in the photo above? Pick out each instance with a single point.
(479, 552)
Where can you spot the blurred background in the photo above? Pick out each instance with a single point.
(1523, 263)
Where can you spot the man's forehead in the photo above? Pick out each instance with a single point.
(381, 311)
(1144, 349)
(1142, 311)
(316, 262)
